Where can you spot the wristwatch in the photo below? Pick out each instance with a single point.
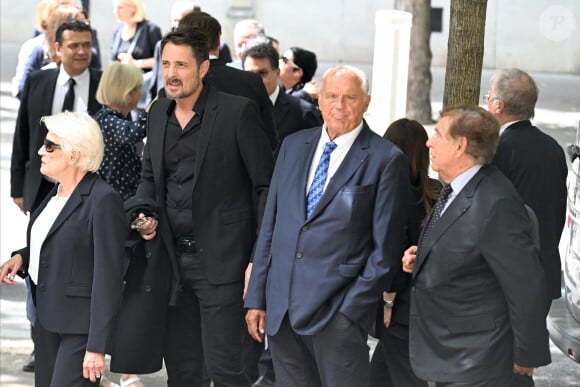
(389, 304)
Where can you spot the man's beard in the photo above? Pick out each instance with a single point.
(183, 93)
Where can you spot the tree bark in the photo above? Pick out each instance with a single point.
(419, 81)
(465, 52)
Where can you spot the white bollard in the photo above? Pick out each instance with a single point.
(390, 69)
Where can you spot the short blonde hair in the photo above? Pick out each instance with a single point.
(117, 83)
(139, 9)
(78, 132)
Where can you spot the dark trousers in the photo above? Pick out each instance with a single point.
(266, 366)
(499, 382)
(59, 359)
(338, 356)
(206, 326)
(391, 366)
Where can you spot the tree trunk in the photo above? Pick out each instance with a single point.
(419, 82)
(464, 52)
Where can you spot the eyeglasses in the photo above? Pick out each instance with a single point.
(289, 62)
(487, 98)
(50, 146)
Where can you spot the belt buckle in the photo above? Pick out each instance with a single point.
(186, 244)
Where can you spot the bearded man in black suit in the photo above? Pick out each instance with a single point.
(207, 163)
(229, 79)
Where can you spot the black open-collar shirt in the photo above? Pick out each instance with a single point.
(181, 151)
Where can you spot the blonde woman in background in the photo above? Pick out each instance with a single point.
(135, 37)
(118, 92)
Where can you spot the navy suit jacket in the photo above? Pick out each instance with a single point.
(80, 277)
(335, 260)
(473, 311)
(36, 102)
(535, 164)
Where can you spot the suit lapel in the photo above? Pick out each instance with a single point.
(76, 199)
(156, 127)
(458, 207)
(281, 107)
(94, 105)
(355, 157)
(303, 166)
(206, 130)
(46, 93)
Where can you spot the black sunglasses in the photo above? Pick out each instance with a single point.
(50, 146)
(289, 61)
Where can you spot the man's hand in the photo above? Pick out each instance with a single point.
(409, 259)
(255, 319)
(148, 227)
(20, 203)
(523, 370)
(9, 269)
(247, 279)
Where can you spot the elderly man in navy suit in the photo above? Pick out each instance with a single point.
(332, 230)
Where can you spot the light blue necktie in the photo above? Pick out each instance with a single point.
(320, 176)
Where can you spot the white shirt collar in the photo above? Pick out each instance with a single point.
(63, 76)
(505, 126)
(274, 95)
(460, 182)
(346, 139)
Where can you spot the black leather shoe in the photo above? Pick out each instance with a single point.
(264, 382)
(29, 365)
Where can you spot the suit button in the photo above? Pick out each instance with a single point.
(43, 264)
(148, 289)
(299, 255)
(148, 255)
(304, 228)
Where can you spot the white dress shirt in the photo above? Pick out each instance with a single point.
(40, 230)
(83, 81)
(343, 144)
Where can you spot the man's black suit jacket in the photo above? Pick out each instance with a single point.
(36, 102)
(478, 296)
(245, 84)
(293, 114)
(535, 163)
(231, 179)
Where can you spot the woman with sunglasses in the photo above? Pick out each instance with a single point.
(74, 256)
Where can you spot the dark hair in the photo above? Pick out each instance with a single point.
(478, 126)
(260, 48)
(206, 24)
(411, 137)
(306, 60)
(72, 25)
(187, 36)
